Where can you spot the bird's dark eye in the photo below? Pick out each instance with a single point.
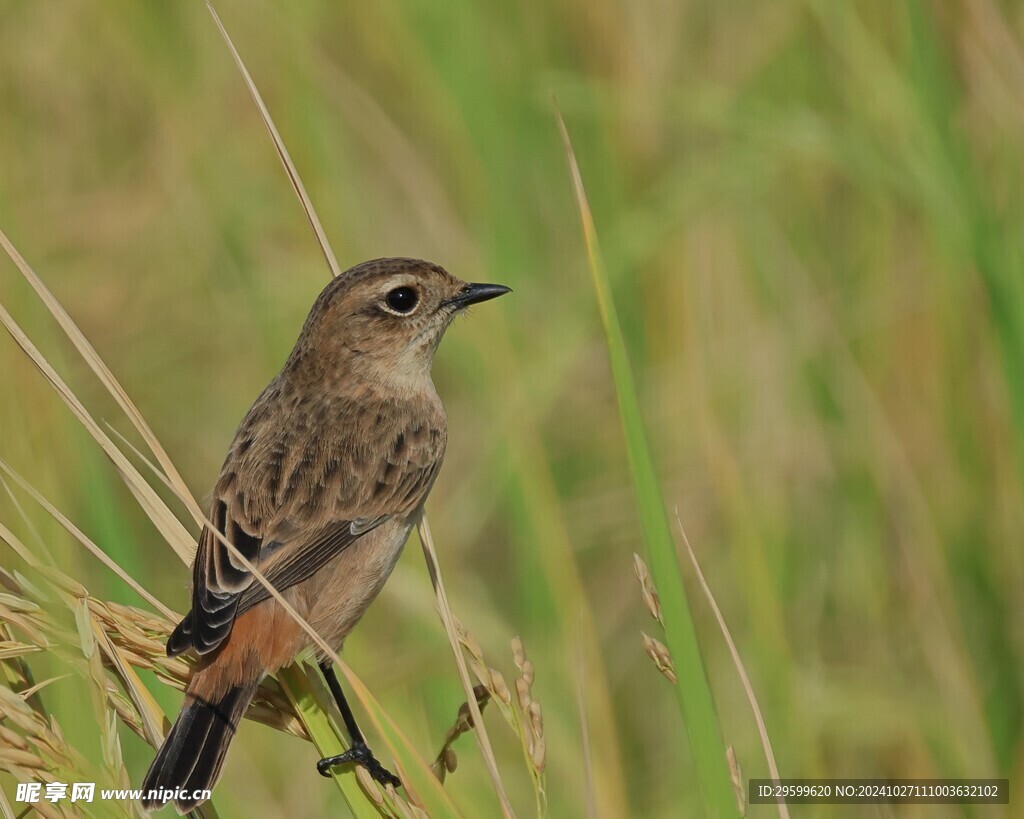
(402, 299)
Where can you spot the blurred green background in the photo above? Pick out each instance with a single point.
(811, 213)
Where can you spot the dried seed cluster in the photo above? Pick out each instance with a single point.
(658, 652)
(654, 648)
(104, 643)
(523, 713)
(736, 775)
(650, 594)
(447, 761)
(529, 707)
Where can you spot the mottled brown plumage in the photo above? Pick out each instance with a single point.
(322, 483)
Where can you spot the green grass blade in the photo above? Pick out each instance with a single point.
(418, 780)
(318, 713)
(297, 687)
(695, 700)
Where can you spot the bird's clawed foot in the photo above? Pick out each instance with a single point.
(360, 754)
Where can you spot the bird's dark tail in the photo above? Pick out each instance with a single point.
(190, 759)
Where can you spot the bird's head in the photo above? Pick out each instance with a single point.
(383, 319)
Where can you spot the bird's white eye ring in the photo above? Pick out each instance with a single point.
(402, 300)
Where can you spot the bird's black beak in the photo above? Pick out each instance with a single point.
(475, 292)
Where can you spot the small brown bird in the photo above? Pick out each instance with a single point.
(325, 478)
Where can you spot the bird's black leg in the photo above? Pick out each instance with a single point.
(360, 752)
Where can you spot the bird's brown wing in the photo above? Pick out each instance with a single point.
(402, 494)
(301, 564)
(214, 608)
(301, 523)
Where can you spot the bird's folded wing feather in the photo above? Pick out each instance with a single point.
(297, 565)
(309, 523)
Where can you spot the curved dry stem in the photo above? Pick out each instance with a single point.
(741, 669)
(282, 151)
(483, 740)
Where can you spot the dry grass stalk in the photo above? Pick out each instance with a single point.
(77, 533)
(741, 669)
(658, 652)
(40, 543)
(92, 358)
(127, 638)
(166, 523)
(451, 630)
(282, 151)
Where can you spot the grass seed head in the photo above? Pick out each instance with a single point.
(647, 589)
(736, 775)
(658, 652)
